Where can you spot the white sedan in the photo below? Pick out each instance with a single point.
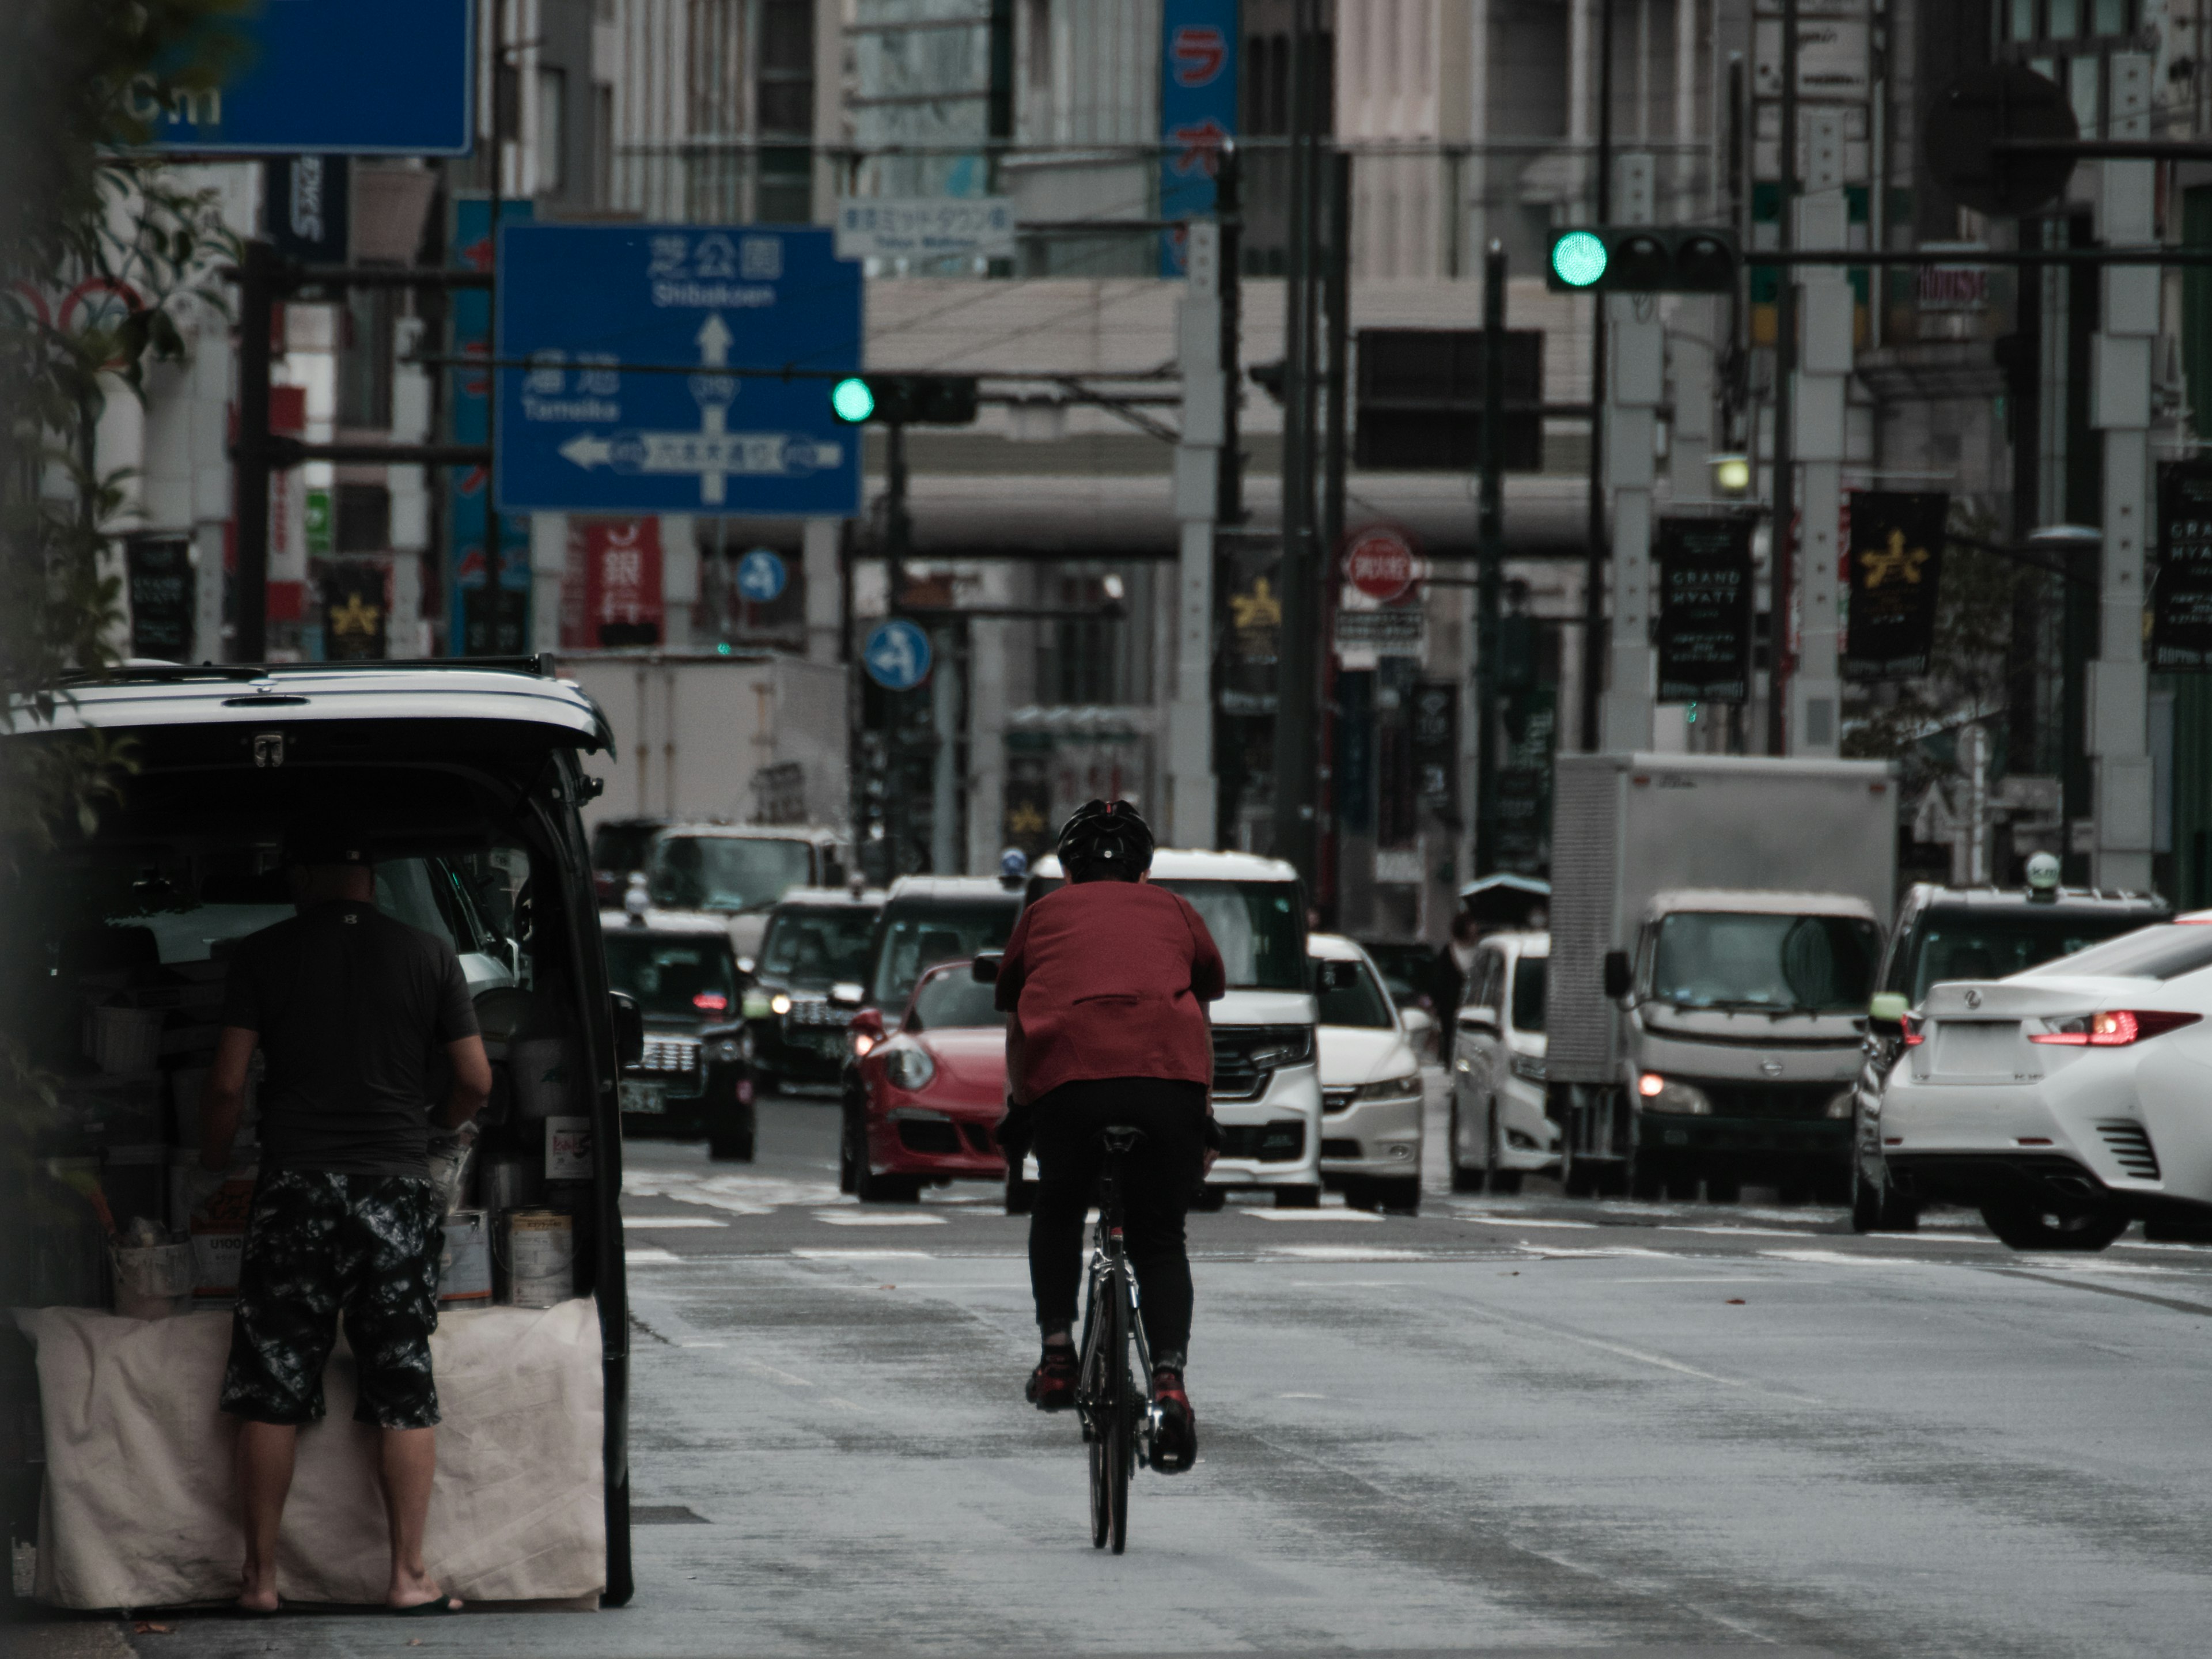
(1371, 1082)
(2066, 1101)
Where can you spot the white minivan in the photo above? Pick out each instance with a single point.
(1499, 1131)
(1266, 1091)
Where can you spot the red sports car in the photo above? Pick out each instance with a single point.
(929, 1094)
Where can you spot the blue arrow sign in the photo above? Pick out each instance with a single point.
(761, 576)
(897, 655)
(742, 308)
(331, 77)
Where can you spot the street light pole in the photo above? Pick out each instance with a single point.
(1594, 652)
(1491, 529)
(256, 303)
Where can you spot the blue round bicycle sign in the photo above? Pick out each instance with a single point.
(761, 576)
(896, 655)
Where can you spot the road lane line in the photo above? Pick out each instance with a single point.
(2174, 1302)
(867, 1218)
(1311, 1215)
(660, 1224)
(1492, 1217)
(649, 1255)
(1341, 1253)
(806, 1254)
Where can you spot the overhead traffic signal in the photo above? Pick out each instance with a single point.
(904, 399)
(1641, 259)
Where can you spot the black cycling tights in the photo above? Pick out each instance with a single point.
(1166, 1164)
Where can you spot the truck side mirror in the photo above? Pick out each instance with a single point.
(1885, 1015)
(1618, 978)
(985, 966)
(629, 1029)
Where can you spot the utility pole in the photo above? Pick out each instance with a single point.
(898, 543)
(1491, 533)
(1336, 306)
(1229, 487)
(1781, 562)
(2120, 382)
(1201, 467)
(1822, 353)
(257, 308)
(1635, 384)
(1593, 677)
(1294, 744)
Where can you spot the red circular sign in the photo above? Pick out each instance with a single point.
(1379, 564)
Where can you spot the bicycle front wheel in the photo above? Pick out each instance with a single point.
(1120, 1454)
(1104, 1372)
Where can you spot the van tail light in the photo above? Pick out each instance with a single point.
(2111, 1028)
(1915, 1031)
(711, 1002)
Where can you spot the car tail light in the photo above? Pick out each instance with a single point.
(711, 1002)
(1915, 1031)
(2111, 1028)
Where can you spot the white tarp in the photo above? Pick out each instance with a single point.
(141, 1508)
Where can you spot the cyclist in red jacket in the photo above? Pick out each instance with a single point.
(1106, 982)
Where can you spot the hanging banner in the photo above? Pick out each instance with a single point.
(305, 207)
(1197, 112)
(1895, 560)
(2181, 594)
(356, 614)
(622, 581)
(1703, 579)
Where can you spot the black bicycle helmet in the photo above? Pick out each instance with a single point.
(1107, 832)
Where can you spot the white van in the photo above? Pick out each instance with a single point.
(1266, 1091)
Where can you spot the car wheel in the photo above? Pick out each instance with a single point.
(1358, 1193)
(1021, 1195)
(847, 1150)
(1401, 1196)
(1723, 1189)
(1647, 1173)
(872, 1188)
(2029, 1225)
(1463, 1180)
(1298, 1198)
(1499, 1179)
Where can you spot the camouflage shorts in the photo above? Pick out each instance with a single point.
(318, 1245)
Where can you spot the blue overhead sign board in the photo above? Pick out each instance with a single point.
(675, 369)
(331, 77)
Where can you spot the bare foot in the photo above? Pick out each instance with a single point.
(258, 1595)
(416, 1589)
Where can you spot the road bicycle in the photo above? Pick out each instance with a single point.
(1121, 1424)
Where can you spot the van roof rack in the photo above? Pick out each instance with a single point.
(539, 665)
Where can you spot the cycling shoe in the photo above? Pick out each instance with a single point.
(1052, 1384)
(1175, 1446)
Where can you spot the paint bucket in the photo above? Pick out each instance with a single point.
(541, 1257)
(465, 1269)
(509, 1180)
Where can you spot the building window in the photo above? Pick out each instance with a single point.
(1040, 45)
(552, 135)
(716, 39)
(364, 518)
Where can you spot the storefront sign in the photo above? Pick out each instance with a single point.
(163, 596)
(622, 581)
(305, 207)
(1395, 633)
(2181, 595)
(356, 615)
(1952, 288)
(1703, 582)
(1895, 561)
(926, 227)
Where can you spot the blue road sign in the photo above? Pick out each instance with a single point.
(896, 655)
(332, 77)
(747, 326)
(761, 576)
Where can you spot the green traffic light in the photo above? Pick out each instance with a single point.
(850, 400)
(1578, 259)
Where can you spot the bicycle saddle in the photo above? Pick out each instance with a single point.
(1120, 1137)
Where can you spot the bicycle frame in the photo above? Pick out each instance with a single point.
(1111, 1318)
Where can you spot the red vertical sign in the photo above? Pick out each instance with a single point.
(622, 582)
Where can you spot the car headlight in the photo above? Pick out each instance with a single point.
(1840, 1106)
(1662, 1094)
(755, 1006)
(1390, 1088)
(863, 1045)
(1530, 1067)
(779, 1004)
(909, 1069)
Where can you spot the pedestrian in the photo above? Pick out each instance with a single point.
(352, 1010)
(1448, 977)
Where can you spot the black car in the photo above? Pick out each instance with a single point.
(1964, 932)
(817, 939)
(926, 920)
(695, 1077)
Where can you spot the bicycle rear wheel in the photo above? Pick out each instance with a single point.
(1104, 1385)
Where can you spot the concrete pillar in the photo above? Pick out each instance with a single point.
(2119, 403)
(549, 569)
(679, 579)
(825, 589)
(1189, 819)
(1635, 383)
(1823, 366)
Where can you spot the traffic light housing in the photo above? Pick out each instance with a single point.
(904, 399)
(1641, 259)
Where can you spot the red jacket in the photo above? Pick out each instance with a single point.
(1108, 979)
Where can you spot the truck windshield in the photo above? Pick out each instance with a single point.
(726, 873)
(812, 949)
(1258, 929)
(1782, 964)
(1529, 994)
(685, 976)
(915, 940)
(1968, 944)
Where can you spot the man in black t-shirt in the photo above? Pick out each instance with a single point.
(351, 1009)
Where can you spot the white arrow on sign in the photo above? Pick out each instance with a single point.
(713, 342)
(714, 457)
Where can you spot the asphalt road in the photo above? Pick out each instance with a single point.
(1505, 1425)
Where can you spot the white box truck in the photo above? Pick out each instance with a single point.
(747, 738)
(1717, 922)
